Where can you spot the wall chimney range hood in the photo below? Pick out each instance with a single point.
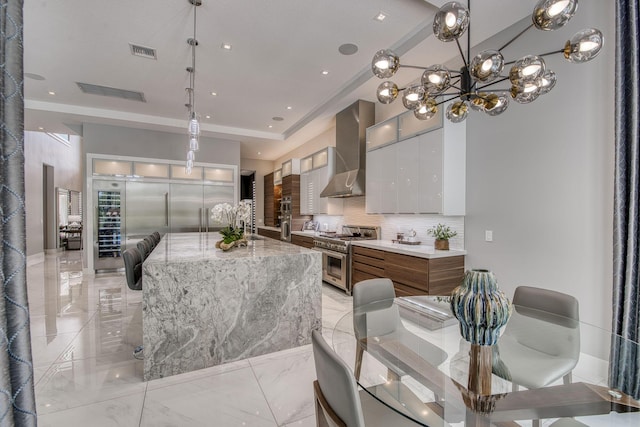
(351, 150)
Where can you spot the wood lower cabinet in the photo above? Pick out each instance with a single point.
(304, 241)
(272, 234)
(410, 275)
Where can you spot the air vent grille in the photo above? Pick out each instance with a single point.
(145, 52)
(111, 91)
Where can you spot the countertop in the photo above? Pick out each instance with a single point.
(308, 233)
(421, 251)
(269, 228)
(186, 247)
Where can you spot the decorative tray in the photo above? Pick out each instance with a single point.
(407, 242)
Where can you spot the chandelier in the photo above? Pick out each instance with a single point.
(193, 128)
(472, 84)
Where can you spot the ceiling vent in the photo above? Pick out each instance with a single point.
(111, 91)
(145, 52)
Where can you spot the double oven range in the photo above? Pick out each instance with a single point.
(336, 253)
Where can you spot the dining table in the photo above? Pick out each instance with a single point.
(390, 344)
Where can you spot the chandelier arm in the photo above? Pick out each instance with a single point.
(516, 37)
(462, 54)
(418, 67)
(469, 35)
(447, 100)
(554, 52)
(193, 58)
(493, 83)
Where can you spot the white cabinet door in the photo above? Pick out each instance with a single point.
(373, 176)
(430, 172)
(407, 175)
(306, 202)
(382, 193)
(320, 181)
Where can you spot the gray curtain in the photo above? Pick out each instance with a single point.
(625, 359)
(17, 398)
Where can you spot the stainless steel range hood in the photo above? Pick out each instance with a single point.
(351, 150)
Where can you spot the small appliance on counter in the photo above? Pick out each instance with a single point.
(310, 226)
(409, 239)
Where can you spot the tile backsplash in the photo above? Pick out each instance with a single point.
(354, 214)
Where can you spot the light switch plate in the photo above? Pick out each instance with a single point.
(488, 236)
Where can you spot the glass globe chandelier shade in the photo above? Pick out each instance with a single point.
(486, 66)
(194, 126)
(413, 96)
(583, 46)
(451, 21)
(498, 105)
(387, 92)
(457, 111)
(550, 15)
(436, 79)
(385, 63)
(426, 109)
(470, 87)
(527, 69)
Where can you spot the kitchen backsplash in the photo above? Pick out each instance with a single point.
(354, 214)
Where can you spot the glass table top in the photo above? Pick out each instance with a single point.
(408, 354)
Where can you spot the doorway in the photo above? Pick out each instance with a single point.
(50, 239)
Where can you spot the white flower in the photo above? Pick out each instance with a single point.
(231, 215)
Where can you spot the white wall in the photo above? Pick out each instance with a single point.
(325, 139)
(541, 176)
(39, 149)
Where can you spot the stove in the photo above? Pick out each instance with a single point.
(336, 253)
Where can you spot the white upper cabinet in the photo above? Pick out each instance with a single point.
(424, 173)
(316, 172)
(291, 167)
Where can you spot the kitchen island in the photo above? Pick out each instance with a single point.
(204, 307)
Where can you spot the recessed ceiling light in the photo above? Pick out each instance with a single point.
(259, 153)
(289, 107)
(277, 119)
(380, 16)
(40, 128)
(214, 93)
(207, 117)
(226, 46)
(325, 72)
(51, 92)
(270, 126)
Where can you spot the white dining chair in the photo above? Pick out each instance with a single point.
(338, 402)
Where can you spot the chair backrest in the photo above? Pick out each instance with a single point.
(145, 248)
(374, 313)
(372, 290)
(133, 268)
(337, 383)
(151, 240)
(547, 301)
(156, 237)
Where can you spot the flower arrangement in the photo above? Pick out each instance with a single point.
(234, 217)
(442, 234)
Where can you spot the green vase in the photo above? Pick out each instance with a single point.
(481, 308)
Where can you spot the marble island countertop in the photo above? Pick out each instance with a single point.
(422, 251)
(176, 247)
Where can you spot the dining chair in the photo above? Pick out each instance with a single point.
(156, 237)
(133, 273)
(145, 248)
(338, 402)
(375, 315)
(541, 342)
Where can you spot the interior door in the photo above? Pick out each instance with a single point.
(186, 208)
(147, 210)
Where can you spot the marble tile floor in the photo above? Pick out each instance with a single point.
(84, 329)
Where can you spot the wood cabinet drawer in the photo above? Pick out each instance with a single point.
(304, 241)
(369, 269)
(361, 259)
(403, 290)
(358, 276)
(405, 261)
(373, 253)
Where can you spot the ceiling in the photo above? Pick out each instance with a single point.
(279, 50)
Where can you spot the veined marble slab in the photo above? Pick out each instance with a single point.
(204, 307)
